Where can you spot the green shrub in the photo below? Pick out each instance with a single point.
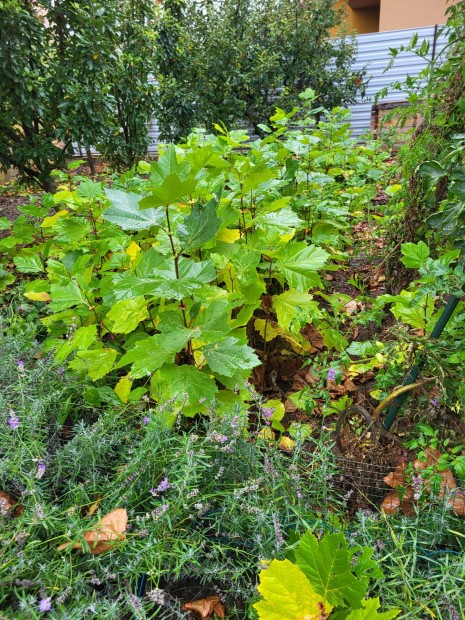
(167, 281)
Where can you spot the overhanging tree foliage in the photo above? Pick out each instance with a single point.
(30, 95)
(78, 74)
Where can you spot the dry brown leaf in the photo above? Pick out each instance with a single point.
(10, 506)
(313, 336)
(289, 406)
(391, 503)
(110, 528)
(6, 502)
(457, 502)
(351, 307)
(397, 477)
(407, 505)
(205, 608)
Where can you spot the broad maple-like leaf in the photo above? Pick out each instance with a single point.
(328, 566)
(101, 537)
(289, 595)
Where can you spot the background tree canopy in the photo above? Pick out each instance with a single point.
(234, 61)
(95, 72)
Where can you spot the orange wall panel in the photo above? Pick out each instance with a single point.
(399, 14)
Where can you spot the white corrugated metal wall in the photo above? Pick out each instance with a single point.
(373, 55)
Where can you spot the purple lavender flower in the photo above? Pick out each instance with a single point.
(45, 604)
(146, 420)
(267, 413)
(218, 438)
(434, 402)
(299, 494)
(417, 486)
(13, 420)
(41, 467)
(331, 374)
(162, 487)
(20, 365)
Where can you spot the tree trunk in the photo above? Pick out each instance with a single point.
(49, 184)
(90, 161)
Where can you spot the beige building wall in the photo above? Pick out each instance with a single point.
(363, 16)
(399, 14)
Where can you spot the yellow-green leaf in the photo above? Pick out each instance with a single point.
(127, 314)
(288, 594)
(123, 388)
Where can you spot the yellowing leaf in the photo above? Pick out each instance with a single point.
(273, 330)
(266, 433)
(49, 222)
(288, 594)
(228, 235)
(123, 388)
(133, 250)
(287, 444)
(287, 237)
(38, 296)
(127, 314)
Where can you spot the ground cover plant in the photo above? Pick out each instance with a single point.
(205, 505)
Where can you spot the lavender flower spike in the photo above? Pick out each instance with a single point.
(45, 604)
(13, 420)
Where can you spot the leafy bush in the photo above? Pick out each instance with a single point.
(73, 73)
(166, 274)
(437, 96)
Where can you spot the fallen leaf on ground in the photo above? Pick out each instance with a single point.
(110, 528)
(397, 477)
(205, 608)
(396, 500)
(94, 506)
(351, 307)
(6, 502)
(287, 444)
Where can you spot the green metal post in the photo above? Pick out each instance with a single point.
(415, 370)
